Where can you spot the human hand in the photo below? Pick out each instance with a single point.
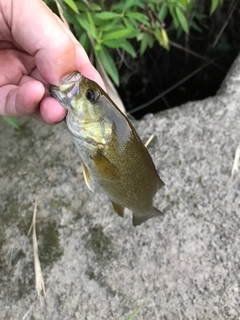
(36, 51)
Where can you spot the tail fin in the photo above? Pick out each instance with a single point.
(139, 219)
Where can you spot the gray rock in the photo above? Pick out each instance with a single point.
(97, 265)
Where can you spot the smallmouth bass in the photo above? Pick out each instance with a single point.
(112, 154)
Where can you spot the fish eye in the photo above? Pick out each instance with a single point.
(92, 96)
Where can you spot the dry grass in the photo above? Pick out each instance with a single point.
(39, 282)
(236, 160)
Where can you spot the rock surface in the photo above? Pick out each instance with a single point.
(97, 265)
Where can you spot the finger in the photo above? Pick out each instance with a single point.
(41, 36)
(51, 112)
(13, 64)
(83, 63)
(16, 101)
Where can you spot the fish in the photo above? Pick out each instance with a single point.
(113, 156)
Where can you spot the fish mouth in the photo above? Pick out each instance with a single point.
(56, 93)
(68, 88)
(75, 76)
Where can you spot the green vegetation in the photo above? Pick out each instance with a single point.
(12, 122)
(113, 31)
(129, 26)
(134, 313)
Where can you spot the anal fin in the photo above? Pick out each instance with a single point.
(139, 219)
(118, 209)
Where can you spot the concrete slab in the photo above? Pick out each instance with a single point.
(97, 265)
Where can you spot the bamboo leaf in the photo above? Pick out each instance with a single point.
(108, 64)
(122, 33)
(114, 44)
(128, 4)
(84, 40)
(84, 23)
(128, 23)
(182, 20)
(214, 4)
(126, 45)
(92, 24)
(146, 41)
(95, 7)
(162, 13)
(162, 37)
(196, 27)
(107, 15)
(123, 43)
(185, 2)
(174, 16)
(72, 5)
(139, 17)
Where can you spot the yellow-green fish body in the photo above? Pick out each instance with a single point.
(112, 154)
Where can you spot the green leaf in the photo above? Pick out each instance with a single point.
(12, 122)
(107, 25)
(97, 47)
(126, 45)
(174, 16)
(185, 2)
(122, 33)
(84, 23)
(182, 20)
(162, 37)
(72, 5)
(162, 13)
(123, 43)
(107, 15)
(139, 17)
(84, 40)
(128, 4)
(146, 41)
(114, 44)
(118, 6)
(95, 7)
(92, 24)
(108, 64)
(82, 7)
(128, 23)
(133, 22)
(214, 4)
(196, 27)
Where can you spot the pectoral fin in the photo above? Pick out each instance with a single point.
(139, 219)
(87, 178)
(118, 209)
(105, 166)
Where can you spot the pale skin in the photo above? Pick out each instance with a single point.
(36, 51)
